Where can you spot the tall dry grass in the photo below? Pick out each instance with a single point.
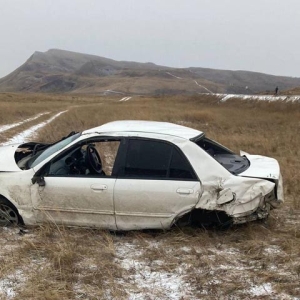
(15, 107)
(61, 263)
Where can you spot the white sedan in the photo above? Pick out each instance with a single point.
(128, 175)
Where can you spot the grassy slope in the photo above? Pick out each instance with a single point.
(64, 71)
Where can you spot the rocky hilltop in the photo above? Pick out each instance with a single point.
(60, 71)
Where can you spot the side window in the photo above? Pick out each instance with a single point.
(90, 158)
(180, 167)
(108, 153)
(156, 160)
(147, 159)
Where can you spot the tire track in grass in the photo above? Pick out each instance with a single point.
(13, 125)
(24, 135)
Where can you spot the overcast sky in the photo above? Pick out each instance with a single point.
(256, 35)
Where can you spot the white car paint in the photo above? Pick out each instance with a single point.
(7, 158)
(86, 201)
(145, 127)
(122, 203)
(262, 167)
(153, 203)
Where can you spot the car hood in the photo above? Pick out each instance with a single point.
(7, 158)
(261, 167)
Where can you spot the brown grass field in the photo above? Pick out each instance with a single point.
(259, 260)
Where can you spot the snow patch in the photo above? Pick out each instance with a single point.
(261, 290)
(10, 126)
(203, 87)
(173, 75)
(112, 92)
(270, 98)
(145, 280)
(11, 283)
(24, 135)
(273, 249)
(125, 99)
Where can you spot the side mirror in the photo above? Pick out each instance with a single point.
(40, 180)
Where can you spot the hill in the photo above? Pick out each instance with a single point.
(60, 71)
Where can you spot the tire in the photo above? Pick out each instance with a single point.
(9, 215)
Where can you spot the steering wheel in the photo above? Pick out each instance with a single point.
(93, 160)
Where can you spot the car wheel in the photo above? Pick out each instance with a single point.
(9, 216)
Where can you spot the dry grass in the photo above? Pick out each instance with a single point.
(59, 263)
(255, 261)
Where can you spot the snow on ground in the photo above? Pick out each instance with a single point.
(145, 279)
(10, 126)
(149, 279)
(9, 284)
(125, 99)
(203, 87)
(154, 276)
(270, 98)
(16, 275)
(24, 135)
(261, 290)
(112, 92)
(173, 75)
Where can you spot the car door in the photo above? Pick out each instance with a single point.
(155, 185)
(73, 195)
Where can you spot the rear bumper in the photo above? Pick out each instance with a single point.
(262, 212)
(272, 200)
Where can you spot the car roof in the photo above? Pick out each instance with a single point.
(135, 126)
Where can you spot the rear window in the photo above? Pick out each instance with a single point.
(232, 162)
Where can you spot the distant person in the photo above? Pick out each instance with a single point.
(276, 90)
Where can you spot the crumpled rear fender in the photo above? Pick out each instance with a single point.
(248, 195)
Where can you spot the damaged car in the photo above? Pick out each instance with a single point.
(127, 175)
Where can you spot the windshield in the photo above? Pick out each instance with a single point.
(52, 149)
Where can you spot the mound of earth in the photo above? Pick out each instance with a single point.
(60, 71)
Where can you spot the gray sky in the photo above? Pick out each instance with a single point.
(256, 35)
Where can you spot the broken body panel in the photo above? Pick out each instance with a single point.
(124, 203)
(243, 197)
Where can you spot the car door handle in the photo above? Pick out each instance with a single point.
(185, 191)
(99, 187)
